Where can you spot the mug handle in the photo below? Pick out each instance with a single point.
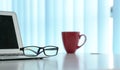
(84, 39)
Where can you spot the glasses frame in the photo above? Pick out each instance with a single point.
(39, 52)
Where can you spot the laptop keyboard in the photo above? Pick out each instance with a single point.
(14, 54)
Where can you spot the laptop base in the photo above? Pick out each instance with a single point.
(7, 58)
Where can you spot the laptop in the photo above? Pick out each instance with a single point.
(10, 38)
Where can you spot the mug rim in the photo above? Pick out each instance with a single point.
(70, 32)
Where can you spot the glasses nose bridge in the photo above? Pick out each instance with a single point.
(40, 50)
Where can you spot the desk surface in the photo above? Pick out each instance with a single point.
(66, 62)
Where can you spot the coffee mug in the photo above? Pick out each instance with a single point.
(71, 40)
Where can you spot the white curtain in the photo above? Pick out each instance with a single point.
(116, 27)
(42, 21)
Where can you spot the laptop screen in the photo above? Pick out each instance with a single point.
(8, 38)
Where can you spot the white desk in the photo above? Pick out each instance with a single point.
(66, 62)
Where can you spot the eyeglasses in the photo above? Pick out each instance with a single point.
(35, 50)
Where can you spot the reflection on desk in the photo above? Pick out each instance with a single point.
(70, 62)
(8, 65)
(66, 62)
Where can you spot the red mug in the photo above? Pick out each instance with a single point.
(71, 40)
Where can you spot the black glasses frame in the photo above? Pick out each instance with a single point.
(39, 48)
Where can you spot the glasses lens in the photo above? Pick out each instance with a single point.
(30, 51)
(50, 50)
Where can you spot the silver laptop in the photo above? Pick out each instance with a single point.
(10, 37)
